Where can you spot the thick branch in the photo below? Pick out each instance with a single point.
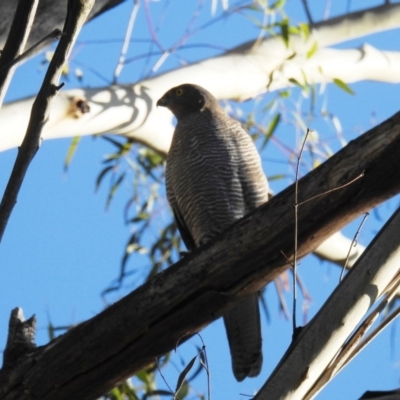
(320, 341)
(131, 111)
(88, 360)
(240, 73)
(357, 24)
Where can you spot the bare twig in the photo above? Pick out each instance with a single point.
(296, 205)
(128, 34)
(162, 376)
(327, 9)
(78, 11)
(353, 244)
(205, 365)
(308, 13)
(281, 297)
(16, 40)
(334, 189)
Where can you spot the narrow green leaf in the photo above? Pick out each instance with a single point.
(140, 217)
(113, 141)
(284, 25)
(182, 375)
(343, 86)
(305, 84)
(277, 4)
(312, 50)
(284, 94)
(296, 82)
(102, 175)
(142, 376)
(271, 129)
(114, 189)
(158, 392)
(305, 30)
(71, 151)
(182, 392)
(276, 177)
(115, 394)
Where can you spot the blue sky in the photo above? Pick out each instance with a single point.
(62, 248)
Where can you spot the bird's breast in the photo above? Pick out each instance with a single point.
(213, 176)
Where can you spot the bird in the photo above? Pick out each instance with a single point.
(214, 177)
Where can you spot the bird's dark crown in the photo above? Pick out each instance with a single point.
(186, 99)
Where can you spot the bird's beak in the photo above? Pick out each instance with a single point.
(162, 102)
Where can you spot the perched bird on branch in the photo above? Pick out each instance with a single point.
(214, 177)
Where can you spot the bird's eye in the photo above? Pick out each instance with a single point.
(179, 92)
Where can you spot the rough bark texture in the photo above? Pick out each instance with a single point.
(21, 339)
(88, 360)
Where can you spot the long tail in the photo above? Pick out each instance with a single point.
(242, 324)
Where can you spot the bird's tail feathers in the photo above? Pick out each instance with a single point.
(242, 323)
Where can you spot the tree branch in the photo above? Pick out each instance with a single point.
(16, 40)
(78, 10)
(320, 341)
(240, 73)
(87, 361)
(21, 339)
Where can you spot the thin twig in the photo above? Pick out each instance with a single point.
(287, 259)
(334, 189)
(303, 289)
(308, 13)
(327, 10)
(16, 41)
(353, 244)
(78, 11)
(206, 366)
(163, 377)
(125, 46)
(281, 297)
(296, 205)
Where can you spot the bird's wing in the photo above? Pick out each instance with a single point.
(184, 231)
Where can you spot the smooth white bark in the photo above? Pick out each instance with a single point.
(241, 73)
(324, 335)
(131, 111)
(336, 249)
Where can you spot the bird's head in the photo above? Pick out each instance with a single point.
(186, 99)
